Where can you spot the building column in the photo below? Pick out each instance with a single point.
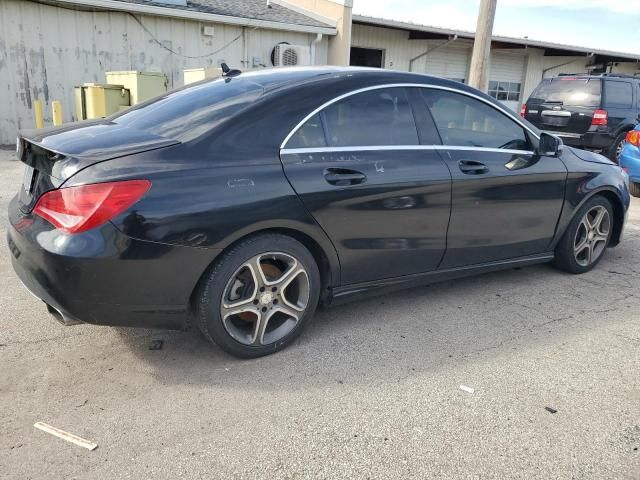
(533, 72)
(336, 11)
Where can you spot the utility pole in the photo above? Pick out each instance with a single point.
(479, 74)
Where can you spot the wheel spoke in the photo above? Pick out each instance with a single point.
(581, 246)
(595, 223)
(233, 305)
(288, 311)
(283, 290)
(284, 275)
(241, 313)
(600, 238)
(261, 327)
(589, 250)
(257, 271)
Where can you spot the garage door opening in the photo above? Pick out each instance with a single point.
(366, 57)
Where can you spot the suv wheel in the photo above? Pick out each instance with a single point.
(616, 148)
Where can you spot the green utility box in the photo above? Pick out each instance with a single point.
(98, 100)
(141, 85)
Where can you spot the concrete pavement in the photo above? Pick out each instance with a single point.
(370, 390)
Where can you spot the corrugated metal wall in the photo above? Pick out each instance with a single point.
(451, 61)
(45, 51)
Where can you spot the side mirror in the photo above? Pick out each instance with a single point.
(549, 146)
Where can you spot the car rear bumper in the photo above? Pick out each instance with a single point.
(103, 276)
(589, 140)
(630, 159)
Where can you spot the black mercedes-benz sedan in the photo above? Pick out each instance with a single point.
(241, 204)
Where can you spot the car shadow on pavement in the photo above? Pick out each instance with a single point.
(393, 336)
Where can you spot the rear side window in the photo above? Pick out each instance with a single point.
(189, 112)
(309, 135)
(569, 91)
(374, 118)
(465, 121)
(618, 94)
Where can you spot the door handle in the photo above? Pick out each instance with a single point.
(344, 177)
(471, 167)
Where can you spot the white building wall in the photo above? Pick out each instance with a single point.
(508, 68)
(627, 68)
(533, 72)
(45, 51)
(450, 60)
(554, 66)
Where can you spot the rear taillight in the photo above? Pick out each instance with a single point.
(523, 110)
(77, 209)
(633, 137)
(600, 117)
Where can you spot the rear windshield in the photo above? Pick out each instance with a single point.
(191, 111)
(568, 91)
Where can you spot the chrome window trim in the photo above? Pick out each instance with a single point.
(294, 151)
(504, 111)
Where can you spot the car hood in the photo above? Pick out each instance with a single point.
(590, 156)
(71, 148)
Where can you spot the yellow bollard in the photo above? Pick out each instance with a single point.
(56, 108)
(37, 105)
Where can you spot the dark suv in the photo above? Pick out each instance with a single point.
(593, 112)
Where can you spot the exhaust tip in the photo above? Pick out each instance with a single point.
(64, 320)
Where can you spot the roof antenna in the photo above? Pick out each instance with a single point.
(228, 72)
(269, 4)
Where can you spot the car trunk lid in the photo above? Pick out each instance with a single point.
(51, 156)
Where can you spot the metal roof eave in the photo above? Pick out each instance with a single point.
(382, 22)
(195, 15)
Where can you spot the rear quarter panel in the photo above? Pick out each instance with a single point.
(202, 203)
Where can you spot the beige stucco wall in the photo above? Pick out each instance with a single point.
(338, 11)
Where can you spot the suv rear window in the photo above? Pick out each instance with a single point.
(189, 112)
(569, 91)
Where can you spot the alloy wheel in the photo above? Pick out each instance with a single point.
(619, 149)
(265, 299)
(592, 236)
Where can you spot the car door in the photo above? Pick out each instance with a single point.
(506, 199)
(359, 168)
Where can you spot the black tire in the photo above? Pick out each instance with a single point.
(634, 189)
(565, 258)
(218, 278)
(613, 151)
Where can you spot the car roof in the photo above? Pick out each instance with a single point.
(602, 76)
(276, 78)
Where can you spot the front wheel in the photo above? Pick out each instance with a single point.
(587, 237)
(259, 295)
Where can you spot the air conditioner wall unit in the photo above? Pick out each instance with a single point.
(285, 55)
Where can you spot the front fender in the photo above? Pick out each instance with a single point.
(606, 180)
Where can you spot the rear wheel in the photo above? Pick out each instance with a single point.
(617, 147)
(259, 295)
(634, 188)
(586, 238)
